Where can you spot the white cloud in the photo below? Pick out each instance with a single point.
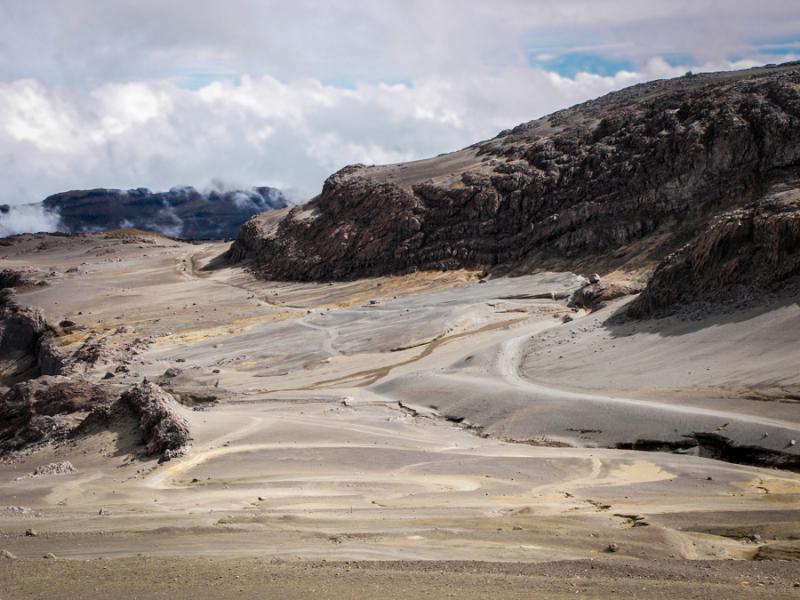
(262, 131)
(27, 219)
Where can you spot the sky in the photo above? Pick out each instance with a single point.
(158, 93)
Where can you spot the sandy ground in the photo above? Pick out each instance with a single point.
(180, 579)
(430, 417)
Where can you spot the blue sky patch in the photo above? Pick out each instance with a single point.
(195, 81)
(679, 59)
(569, 64)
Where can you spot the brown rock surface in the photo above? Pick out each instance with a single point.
(743, 253)
(46, 409)
(621, 180)
(27, 348)
(786, 551)
(165, 432)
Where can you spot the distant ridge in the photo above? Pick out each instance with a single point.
(181, 212)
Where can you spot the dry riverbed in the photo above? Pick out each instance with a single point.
(425, 418)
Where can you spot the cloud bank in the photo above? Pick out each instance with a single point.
(27, 218)
(260, 130)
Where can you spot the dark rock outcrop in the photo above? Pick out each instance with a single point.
(11, 278)
(625, 179)
(27, 345)
(719, 447)
(785, 550)
(46, 409)
(742, 254)
(164, 431)
(99, 349)
(52, 408)
(182, 212)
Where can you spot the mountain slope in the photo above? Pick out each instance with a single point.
(181, 212)
(621, 181)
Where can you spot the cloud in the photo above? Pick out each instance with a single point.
(27, 218)
(261, 131)
(167, 221)
(91, 42)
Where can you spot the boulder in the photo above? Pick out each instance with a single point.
(164, 431)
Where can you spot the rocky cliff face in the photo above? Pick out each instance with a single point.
(27, 347)
(741, 254)
(181, 212)
(623, 180)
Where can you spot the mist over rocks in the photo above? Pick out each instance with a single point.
(181, 212)
(26, 218)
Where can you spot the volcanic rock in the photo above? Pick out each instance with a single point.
(788, 550)
(742, 254)
(596, 295)
(98, 349)
(27, 348)
(21, 333)
(164, 431)
(46, 409)
(50, 469)
(623, 180)
(12, 278)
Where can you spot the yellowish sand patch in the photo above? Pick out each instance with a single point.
(639, 471)
(277, 316)
(788, 484)
(244, 365)
(421, 281)
(72, 338)
(199, 335)
(205, 333)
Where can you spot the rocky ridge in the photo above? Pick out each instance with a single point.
(182, 212)
(621, 181)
